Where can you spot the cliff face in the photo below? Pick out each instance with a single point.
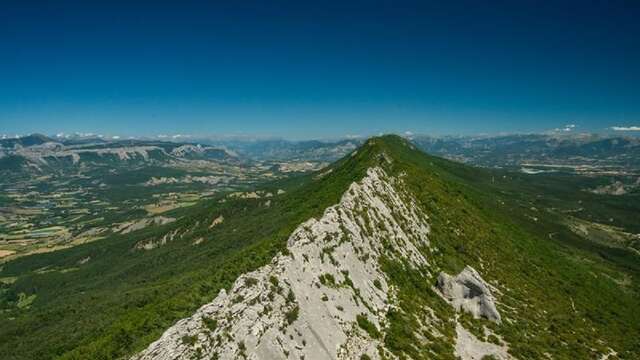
(327, 298)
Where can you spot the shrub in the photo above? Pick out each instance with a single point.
(211, 324)
(377, 284)
(292, 315)
(368, 326)
(189, 340)
(249, 282)
(291, 297)
(327, 280)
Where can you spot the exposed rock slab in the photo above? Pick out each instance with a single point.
(469, 347)
(468, 292)
(130, 226)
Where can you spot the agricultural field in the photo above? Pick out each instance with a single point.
(49, 212)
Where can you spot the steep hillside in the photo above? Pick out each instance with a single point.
(124, 296)
(356, 283)
(329, 280)
(388, 253)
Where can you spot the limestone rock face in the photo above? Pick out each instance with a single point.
(467, 291)
(469, 347)
(307, 304)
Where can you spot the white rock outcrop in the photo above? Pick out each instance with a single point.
(468, 292)
(306, 304)
(469, 347)
(130, 226)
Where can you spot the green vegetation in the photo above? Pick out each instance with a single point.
(292, 315)
(377, 284)
(415, 297)
(291, 297)
(24, 300)
(250, 282)
(328, 280)
(242, 350)
(565, 296)
(12, 163)
(122, 299)
(189, 340)
(367, 326)
(211, 324)
(479, 221)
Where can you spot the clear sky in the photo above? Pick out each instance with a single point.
(307, 69)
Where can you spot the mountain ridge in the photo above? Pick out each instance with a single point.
(385, 151)
(40, 155)
(533, 275)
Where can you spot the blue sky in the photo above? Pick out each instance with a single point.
(317, 69)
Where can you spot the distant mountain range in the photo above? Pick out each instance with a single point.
(40, 153)
(286, 150)
(610, 153)
(518, 150)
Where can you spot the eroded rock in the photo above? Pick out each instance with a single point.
(468, 292)
(469, 347)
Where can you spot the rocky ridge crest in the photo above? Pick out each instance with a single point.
(326, 298)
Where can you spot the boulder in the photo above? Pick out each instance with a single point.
(468, 292)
